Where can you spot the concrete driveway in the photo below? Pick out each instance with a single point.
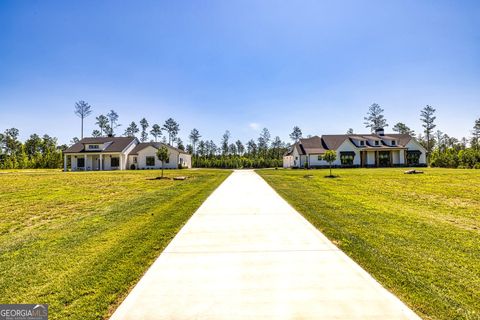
(247, 254)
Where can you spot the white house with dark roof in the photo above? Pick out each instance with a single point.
(144, 156)
(120, 153)
(357, 150)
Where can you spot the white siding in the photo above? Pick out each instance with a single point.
(313, 160)
(414, 145)
(370, 158)
(347, 146)
(287, 161)
(150, 151)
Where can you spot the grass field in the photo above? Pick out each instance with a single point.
(80, 241)
(418, 235)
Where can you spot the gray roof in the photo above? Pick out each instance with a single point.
(318, 145)
(117, 144)
(156, 145)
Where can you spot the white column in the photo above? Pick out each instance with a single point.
(121, 162)
(101, 162)
(85, 162)
(65, 162)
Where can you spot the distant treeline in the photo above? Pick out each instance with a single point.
(35, 152)
(265, 151)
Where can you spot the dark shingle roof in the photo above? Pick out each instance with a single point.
(333, 141)
(312, 145)
(117, 144)
(319, 145)
(156, 145)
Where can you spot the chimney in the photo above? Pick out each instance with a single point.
(380, 131)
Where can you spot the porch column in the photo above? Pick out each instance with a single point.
(121, 162)
(85, 162)
(65, 163)
(376, 158)
(101, 162)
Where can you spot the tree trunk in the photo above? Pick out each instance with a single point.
(330, 169)
(81, 136)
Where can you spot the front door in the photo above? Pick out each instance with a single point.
(384, 158)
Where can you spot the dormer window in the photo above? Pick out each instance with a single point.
(377, 143)
(93, 147)
(394, 142)
(362, 143)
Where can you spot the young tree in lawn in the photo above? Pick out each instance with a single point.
(330, 156)
(402, 128)
(102, 123)
(96, 133)
(156, 131)
(375, 119)
(163, 155)
(144, 134)
(131, 130)
(113, 118)
(172, 128)
(296, 134)
(194, 137)
(82, 110)
(428, 119)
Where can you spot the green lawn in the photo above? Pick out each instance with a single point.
(80, 241)
(418, 235)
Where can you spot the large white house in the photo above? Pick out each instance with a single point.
(357, 150)
(120, 153)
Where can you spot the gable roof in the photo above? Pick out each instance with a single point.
(318, 145)
(116, 144)
(333, 141)
(156, 145)
(312, 145)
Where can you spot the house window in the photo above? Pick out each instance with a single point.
(93, 147)
(346, 158)
(377, 142)
(115, 162)
(362, 143)
(81, 162)
(319, 158)
(413, 157)
(150, 161)
(394, 142)
(296, 158)
(134, 159)
(167, 161)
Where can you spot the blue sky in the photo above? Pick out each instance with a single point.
(239, 65)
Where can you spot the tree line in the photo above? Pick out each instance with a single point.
(442, 150)
(264, 151)
(36, 152)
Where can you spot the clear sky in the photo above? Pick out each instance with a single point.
(239, 65)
